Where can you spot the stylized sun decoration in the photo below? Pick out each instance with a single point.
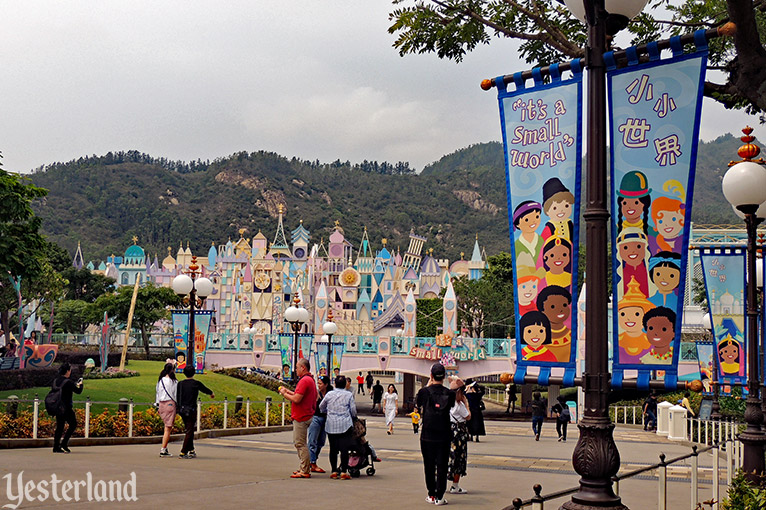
(349, 277)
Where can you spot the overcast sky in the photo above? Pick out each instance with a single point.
(191, 79)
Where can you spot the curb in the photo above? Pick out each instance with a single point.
(110, 441)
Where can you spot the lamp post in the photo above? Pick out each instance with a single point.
(195, 289)
(596, 458)
(744, 186)
(329, 328)
(715, 409)
(297, 316)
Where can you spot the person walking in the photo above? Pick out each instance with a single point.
(510, 395)
(360, 383)
(415, 419)
(377, 397)
(391, 407)
(317, 433)
(304, 400)
(650, 412)
(188, 392)
(539, 409)
(67, 416)
(434, 402)
(563, 417)
(165, 398)
(341, 411)
(474, 394)
(369, 380)
(458, 455)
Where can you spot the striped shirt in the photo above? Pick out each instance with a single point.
(340, 408)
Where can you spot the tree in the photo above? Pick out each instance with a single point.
(85, 285)
(549, 33)
(151, 306)
(486, 306)
(73, 316)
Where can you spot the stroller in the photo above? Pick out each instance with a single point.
(360, 455)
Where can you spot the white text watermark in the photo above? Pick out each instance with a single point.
(18, 490)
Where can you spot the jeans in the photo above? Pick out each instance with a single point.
(650, 420)
(435, 464)
(561, 428)
(189, 424)
(316, 437)
(537, 424)
(67, 418)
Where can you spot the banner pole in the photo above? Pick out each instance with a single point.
(130, 322)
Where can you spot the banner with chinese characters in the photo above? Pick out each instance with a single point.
(724, 273)
(180, 321)
(542, 138)
(654, 113)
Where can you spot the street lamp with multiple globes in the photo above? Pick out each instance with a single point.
(744, 186)
(329, 328)
(195, 289)
(715, 409)
(297, 316)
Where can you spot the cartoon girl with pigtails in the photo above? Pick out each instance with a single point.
(668, 217)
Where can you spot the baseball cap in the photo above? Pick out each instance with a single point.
(438, 372)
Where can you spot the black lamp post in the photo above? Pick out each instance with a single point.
(195, 289)
(297, 316)
(744, 186)
(329, 328)
(715, 409)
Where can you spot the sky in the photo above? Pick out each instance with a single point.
(191, 80)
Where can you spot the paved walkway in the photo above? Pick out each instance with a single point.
(253, 470)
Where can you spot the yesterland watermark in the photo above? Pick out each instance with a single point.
(58, 489)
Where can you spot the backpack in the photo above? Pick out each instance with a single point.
(437, 407)
(54, 405)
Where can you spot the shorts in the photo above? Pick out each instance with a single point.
(168, 412)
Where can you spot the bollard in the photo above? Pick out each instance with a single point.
(36, 418)
(12, 407)
(268, 401)
(87, 418)
(663, 484)
(238, 403)
(283, 413)
(130, 418)
(225, 412)
(247, 413)
(695, 479)
(199, 415)
(122, 407)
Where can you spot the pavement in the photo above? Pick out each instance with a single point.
(232, 472)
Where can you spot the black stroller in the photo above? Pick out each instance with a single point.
(359, 454)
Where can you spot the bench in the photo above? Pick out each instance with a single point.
(9, 363)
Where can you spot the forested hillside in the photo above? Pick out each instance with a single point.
(104, 201)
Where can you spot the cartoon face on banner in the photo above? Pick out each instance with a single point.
(724, 273)
(541, 131)
(653, 111)
(180, 321)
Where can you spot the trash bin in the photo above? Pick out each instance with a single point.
(663, 418)
(677, 423)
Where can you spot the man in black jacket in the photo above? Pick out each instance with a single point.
(68, 387)
(187, 394)
(434, 403)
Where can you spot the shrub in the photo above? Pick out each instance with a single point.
(260, 380)
(744, 496)
(32, 377)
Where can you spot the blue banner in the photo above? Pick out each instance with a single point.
(542, 137)
(724, 272)
(180, 321)
(654, 112)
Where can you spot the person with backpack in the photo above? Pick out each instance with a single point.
(60, 405)
(165, 398)
(650, 412)
(539, 409)
(434, 402)
(563, 417)
(188, 392)
(369, 380)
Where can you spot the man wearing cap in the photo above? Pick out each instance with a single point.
(434, 402)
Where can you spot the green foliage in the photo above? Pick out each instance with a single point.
(73, 316)
(430, 318)
(85, 285)
(743, 495)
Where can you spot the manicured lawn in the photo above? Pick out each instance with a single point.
(141, 388)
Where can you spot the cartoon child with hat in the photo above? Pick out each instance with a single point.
(528, 284)
(632, 340)
(633, 202)
(632, 255)
(526, 219)
(558, 203)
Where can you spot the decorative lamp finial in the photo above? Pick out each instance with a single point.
(749, 150)
(135, 239)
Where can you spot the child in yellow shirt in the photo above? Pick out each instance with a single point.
(415, 419)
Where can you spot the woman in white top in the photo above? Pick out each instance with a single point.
(391, 407)
(458, 455)
(166, 399)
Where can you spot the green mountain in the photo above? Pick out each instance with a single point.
(104, 201)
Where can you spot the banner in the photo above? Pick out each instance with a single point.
(180, 321)
(707, 365)
(304, 345)
(337, 354)
(542, 138)
(654, 112)
(286, 350)
(103, 346)
(724, 272)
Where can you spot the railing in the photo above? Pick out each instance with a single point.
(116, 338)
(626, 415)
(23, 417)
(537, 502)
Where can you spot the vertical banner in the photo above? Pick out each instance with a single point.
(202, 320)
(320, 359)
(705, 358)
(654, 113)
(724, 272)
(304, 346)
(103, 347)
(542, 137)
(337, 354)
(180, 321)
(286, 350)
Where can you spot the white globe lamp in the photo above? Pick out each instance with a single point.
(204, 287)
(182, 284)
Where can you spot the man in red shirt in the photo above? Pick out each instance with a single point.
(304, 400)
(360, 383)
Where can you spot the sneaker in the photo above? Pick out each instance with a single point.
(334, 476)
(184, 456)
(165, 453)
(457, 490)
(440, 502)
(537, 437)
(430, 499)
(192, 454)
(560, 439)
(65, 449)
